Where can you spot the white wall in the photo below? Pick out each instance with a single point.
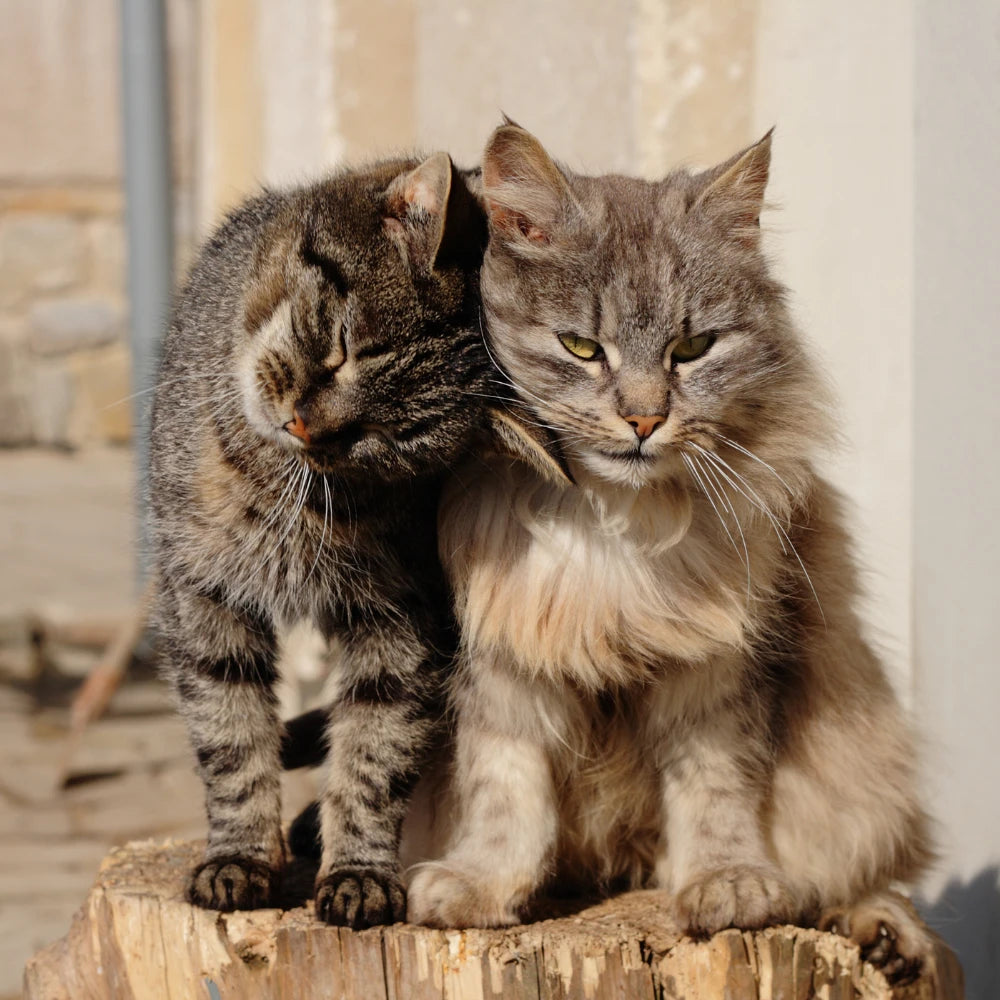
(956, 469)
(836, 81)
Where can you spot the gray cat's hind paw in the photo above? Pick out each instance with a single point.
(360, 898)
(889, 933)
(233, 883)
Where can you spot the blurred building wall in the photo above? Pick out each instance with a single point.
(63, 330)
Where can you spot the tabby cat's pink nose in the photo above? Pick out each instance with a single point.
(644, 426)
(297, 427)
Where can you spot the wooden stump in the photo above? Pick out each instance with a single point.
(136, 939)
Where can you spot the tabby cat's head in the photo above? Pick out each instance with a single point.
(361, 348)
(638, 319)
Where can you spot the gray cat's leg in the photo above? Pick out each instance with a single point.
(846, 815)
(715, 770)
(221, 665)
(890, 934)
(379, 734)
(508, 816)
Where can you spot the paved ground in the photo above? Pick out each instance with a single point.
(66, 555)
(66, 532)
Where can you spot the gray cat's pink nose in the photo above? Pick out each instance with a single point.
(644, 426)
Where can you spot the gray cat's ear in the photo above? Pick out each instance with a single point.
(417, 209)
(733, 192)
(516, 435)
(527, 196)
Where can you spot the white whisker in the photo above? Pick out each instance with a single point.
(719, 490)
(782, 534)
(756, 458)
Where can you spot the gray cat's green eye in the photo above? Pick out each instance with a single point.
(581, 347)
(692, 347)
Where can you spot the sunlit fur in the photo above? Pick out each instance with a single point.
(665, 678)
(354, 303)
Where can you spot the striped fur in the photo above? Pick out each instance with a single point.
(354, 301)
(665, 680)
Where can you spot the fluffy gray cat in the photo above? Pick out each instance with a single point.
(320, 373)
(664, 676)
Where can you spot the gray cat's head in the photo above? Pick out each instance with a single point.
(638, 319)
(360, 341)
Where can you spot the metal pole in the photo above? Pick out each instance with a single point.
(149, 215)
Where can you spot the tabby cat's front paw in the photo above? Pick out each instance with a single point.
(741, 896)
(443, 897)
(360, 897)
(233, 883)
(889, 933)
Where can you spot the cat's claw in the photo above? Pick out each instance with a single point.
(887, 930)
(743, 897)
(360, 898)
(233, 883)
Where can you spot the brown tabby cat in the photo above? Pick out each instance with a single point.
(319, 377)
(665, 680)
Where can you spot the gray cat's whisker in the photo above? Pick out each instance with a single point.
(697, 473)
(510, 381)
(782, 533)
(750, 493)
(712, 474)
(723, 497)
(756, 458)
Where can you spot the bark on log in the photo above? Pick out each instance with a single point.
(136, 939)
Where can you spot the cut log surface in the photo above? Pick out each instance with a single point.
(136, 938)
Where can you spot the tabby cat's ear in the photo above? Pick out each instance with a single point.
(417, 209)
(515, 434)
(526, 194)
(733, 192)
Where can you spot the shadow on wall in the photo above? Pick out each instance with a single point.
(967, 916)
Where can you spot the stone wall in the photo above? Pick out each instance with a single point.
(64, 361)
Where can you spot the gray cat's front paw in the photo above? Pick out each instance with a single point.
(741, 896)
(360, 897)
(889, 933)
(442, 897)
(233, 883)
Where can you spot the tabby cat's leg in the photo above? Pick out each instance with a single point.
(507, 808)
(381, 728)
(221, 665)
(715, 774)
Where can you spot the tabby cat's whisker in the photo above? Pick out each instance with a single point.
(322, 537)
(304, 478)
(211, 373)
